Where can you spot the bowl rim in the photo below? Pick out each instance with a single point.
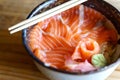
(24, 40)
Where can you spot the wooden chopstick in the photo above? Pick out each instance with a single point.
(29, 22)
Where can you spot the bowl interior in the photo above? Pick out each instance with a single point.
(103, 7)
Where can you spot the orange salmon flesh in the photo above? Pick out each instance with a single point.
(68, 40)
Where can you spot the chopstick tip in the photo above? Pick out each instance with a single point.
(9, 29)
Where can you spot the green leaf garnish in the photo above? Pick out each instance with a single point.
(98, 60)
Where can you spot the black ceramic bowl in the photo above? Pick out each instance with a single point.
(103, 7)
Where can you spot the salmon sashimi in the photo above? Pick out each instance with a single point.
(85, 49)
(68, 40)
(101, 35)
(56, 57)
(79, 67)
(47, 41)
(57, 27)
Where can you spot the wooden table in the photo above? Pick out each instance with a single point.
(15, 63)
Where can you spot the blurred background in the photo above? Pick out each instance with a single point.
(14, 11)
(15, 63)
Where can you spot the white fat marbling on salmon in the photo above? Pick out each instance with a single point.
(43, 53)
(81, 15)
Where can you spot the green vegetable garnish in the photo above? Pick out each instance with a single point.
(98, 60)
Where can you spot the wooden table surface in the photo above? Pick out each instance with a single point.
(15, 63)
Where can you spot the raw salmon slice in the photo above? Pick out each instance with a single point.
(79, 67)
(85, 49)
(101, 35)
(46, 41)
(55, 58)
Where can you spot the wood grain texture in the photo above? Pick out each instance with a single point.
(15, 63)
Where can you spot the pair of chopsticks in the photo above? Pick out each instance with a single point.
(32, 21)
